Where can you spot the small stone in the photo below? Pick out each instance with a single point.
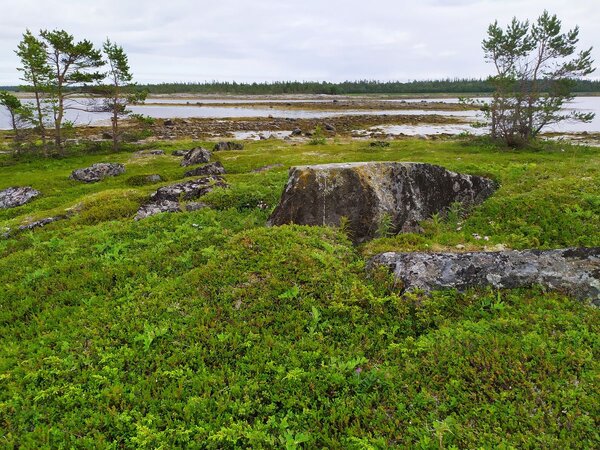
(460, 247)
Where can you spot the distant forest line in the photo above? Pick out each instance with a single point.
(448, 86)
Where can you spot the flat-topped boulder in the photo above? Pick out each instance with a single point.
(215, 168)
(16, 196)
(196, 156)
(575, 271)
(367, 193)
(97, 172)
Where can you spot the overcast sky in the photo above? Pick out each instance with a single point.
(267, 40)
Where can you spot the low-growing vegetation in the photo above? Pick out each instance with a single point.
(207, 329)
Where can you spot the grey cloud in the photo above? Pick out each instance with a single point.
(197, 40)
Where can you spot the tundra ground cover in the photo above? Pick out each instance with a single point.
(208, 330)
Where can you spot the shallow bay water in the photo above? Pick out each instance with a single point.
(163, 108)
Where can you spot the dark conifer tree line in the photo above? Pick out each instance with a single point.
(450, 86)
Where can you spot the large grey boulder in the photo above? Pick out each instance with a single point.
(196, 156)
(97, 172)
(16, 196)
(168, 198)
(215, 168)
(366, 193)
(575, 271)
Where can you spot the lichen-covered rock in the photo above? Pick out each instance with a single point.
(179, 152)
(97, 172)
(16, 196)
(196, 156)
(215, 168)
(168, 198)
(575, 271)
(42, 222)
(228, 146)
(158, 207)
(188, 190)
(367, 193)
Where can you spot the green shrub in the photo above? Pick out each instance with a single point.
(318, 136)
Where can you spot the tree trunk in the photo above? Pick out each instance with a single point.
(58, 127)
(115, 130)
(41, 120)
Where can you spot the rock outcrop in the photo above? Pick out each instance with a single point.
(97, 172)
(16, 196)
(196, 156)
(215, 168)
(168, 198)
(575, 271)
(368, 193)
(42, 222)
(228, 146)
